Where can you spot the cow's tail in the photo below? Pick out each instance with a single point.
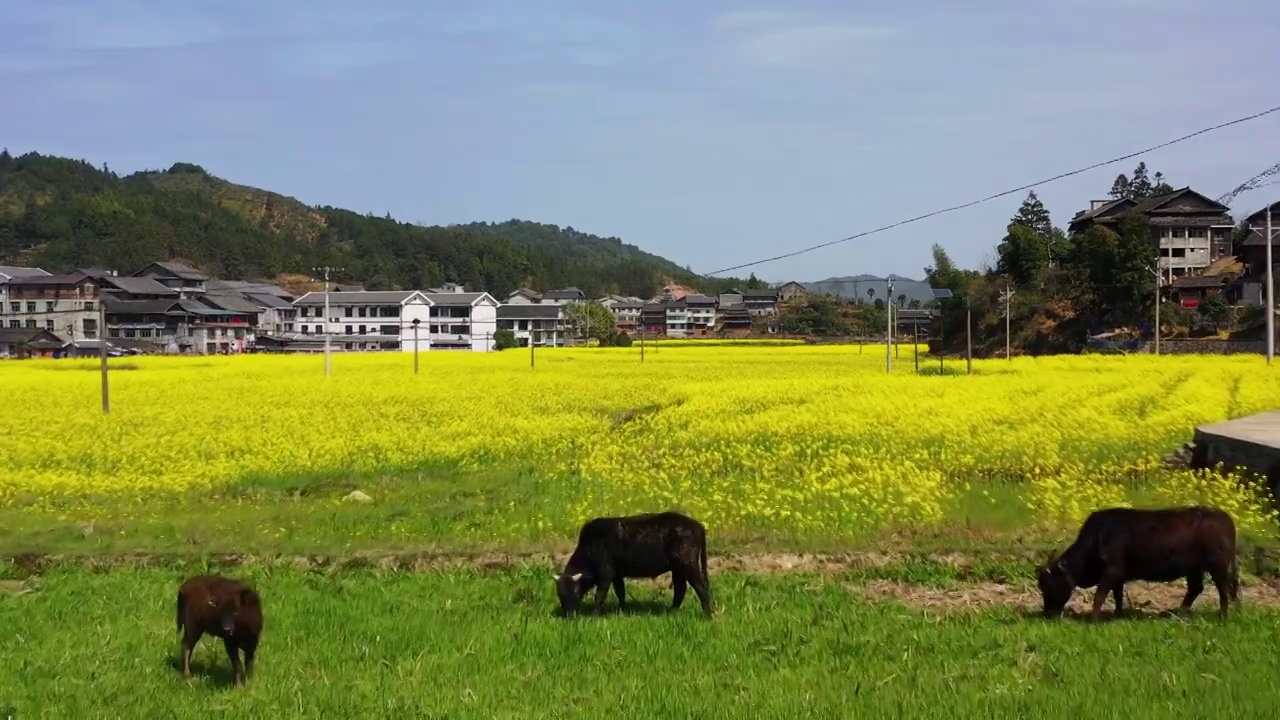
(1235, 579)
(702, 559)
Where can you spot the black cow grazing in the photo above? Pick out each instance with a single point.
(223, 608)
(1118, 545)
(639, 546)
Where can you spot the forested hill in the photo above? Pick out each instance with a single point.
(61, 214)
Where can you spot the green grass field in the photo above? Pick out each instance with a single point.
(486, 645)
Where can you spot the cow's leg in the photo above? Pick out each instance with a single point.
(1195, 586)
(190, 637)
(1222, 581)
(234, 654)
(620, 588)
(250, 650)
(679, 585)
(603, 583)
(701, 585)
(1105, 586)
(1118, 593)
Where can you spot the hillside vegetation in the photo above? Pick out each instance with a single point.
(62, 214)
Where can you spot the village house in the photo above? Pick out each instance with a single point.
(653, 318)
(762, 302)
(543, 325)
(626, 311)
(370, 320)
(63, 304)
(186, 280)
(1253, 251)
(700, 315)
(1189, 231)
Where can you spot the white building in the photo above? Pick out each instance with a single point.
(462, 320)
(384, 320)
(544, 325)
(700, 314)
(66, 305)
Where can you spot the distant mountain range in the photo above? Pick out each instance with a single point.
(855, 287)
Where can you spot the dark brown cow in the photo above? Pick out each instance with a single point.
(1118, 545)
(224, 608)
(638, 546)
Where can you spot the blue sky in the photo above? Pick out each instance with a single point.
(713, 133)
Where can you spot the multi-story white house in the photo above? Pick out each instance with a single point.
(700, 314)
(626, 311)
(66, 305)
(542, 325)
(462, 320)
(9, 313)
(383, 320)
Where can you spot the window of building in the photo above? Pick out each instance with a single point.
(48, 325)
(31, 323)
(1197, 233)
(31, 307)
(48, 307)
(348, 330)
(15, 323)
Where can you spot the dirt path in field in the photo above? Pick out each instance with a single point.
(1143, 597)
(750, 563)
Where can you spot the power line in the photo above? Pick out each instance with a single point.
(1020, 188)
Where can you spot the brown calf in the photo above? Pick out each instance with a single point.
(223, 608)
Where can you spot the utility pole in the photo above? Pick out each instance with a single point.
(888, 334)
(1007, 297)
(531, 332)
(642, 341)
(328, 361)
(102, 351)
(968, 336)
(1271, 304)
(416, 321)
(1156, 272)
(915, 347)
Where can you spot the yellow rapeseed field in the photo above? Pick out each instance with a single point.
(794, 439)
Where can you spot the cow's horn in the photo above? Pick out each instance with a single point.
(577, 577)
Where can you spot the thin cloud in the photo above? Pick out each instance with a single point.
(778, 38)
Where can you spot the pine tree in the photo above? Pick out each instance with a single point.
(1120, 188)
(1140, 186)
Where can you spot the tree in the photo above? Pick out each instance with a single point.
(1023, 255)
(1140, 186)
(504, 340)
(591, 320)
(1031, 244)
(753, 283)
(1120, 188)
(1214, 310)
(622, 340)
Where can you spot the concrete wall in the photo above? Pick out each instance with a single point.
(1206, 347)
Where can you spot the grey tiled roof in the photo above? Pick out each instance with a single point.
(139, 285)
(528, 312)
(22, 272)
(362, 297)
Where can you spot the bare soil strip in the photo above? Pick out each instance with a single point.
(755, 563)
